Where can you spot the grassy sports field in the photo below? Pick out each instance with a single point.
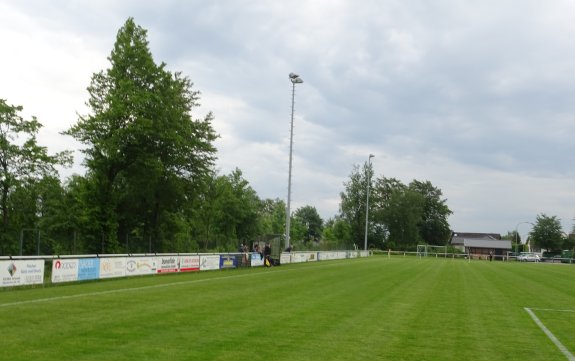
(378, 308)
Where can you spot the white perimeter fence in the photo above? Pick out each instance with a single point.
(21, 271)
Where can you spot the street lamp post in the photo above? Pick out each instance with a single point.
(295, 79)
(368, 178)
(516, 234)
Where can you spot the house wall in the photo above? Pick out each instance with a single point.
(484, 252)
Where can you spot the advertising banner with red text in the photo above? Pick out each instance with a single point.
(189, 263)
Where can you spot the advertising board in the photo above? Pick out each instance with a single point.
(64, 270)
(211, 262)
(139, 266)
(167, 264)
(22, 272)
(285, 258)
(189, 263)
(299, 257)
(256, 260)
(227, 261)
(88, 269)
(112, 267)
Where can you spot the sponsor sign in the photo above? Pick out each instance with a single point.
(167, 264)
(285, 258)
(211, 262)
(112, 267)
(189, 263)
(256, 260)
(227, 261)
(298, 257)
(326, 256)
(352, 254)
(88, 269)
(22, 272)
(138, 266)
(330, 255)
(64, 270)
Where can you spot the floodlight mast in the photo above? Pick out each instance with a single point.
(367, 181)
(295, 79)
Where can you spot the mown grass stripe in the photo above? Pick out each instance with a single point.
(376, 308)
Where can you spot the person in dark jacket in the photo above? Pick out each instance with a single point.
(267, 255)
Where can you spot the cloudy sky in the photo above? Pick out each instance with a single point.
(477, 97)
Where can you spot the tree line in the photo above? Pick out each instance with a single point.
(151, 184)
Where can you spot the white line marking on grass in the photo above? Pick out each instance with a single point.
(99, 293)
(550, 310)
(120, 290)
(551, 336)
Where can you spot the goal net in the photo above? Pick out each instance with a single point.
(426, 250)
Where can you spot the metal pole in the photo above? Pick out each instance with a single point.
(516, 242)
(368, 178)
(288, 215)
(295, 79)
(38, 239)
(21, 241)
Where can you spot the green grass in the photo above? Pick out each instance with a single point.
(363, 309)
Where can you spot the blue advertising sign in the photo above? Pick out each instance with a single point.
(227, 261)
(88, 268)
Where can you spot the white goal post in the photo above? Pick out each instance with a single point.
(425, 250)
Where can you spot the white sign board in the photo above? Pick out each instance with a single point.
(285, 258)
(22, 272)
(209, 262)
(138, 266)
(112, 267)
(167, 264)
(256, 260)
(64, 270)
(189, 263)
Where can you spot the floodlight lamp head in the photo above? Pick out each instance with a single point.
(371, 156)
(297, 80)
(293, 75)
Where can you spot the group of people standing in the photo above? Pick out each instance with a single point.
(265, 255)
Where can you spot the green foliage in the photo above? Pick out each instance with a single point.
(23, 162)
(311, 224)
(352, 206)
(400, 216)
(272, 216)
(337, 232)
(229, 212)
(433, 225)
(569, 242)
(147, 157)
(547, 233)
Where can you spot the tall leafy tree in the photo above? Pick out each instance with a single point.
(352, 205)
(547, 233)
(228, 212)
(240, 207)
(386, 193)
(433, 226)
(337, 231)
(402, 216)
(22, 160)
(145, 153)
(273, 216)
(311, 220)
(399, 215)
